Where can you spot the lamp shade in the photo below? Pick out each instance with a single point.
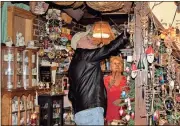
(102, 33)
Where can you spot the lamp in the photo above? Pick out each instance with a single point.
(102, 32)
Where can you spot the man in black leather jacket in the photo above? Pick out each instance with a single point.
(87, 91)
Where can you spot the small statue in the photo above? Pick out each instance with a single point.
(41, 85)
(9, 42)
(53, 90)
(47, 85)
(19, 39)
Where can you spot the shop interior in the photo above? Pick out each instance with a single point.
(36, 53)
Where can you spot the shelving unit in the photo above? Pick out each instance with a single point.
(18, 89)
(51, 109)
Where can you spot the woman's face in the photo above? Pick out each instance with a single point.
(116, 66)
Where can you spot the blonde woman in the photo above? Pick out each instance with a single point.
(114, 84)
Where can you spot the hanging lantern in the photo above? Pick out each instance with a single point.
(102, 33)
(150, 54)
(133, 70)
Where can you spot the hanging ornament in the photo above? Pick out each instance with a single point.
(150, 54)
(127, 69)
(156, 115)
(51, 55)
(169, 103)
(123, 94)
(171, 84)
(129, 108)
(41, 52)
(128, 79)
(132, 115)
(163, 87)
(140, 63)
(133, 70)
(46, 42)
(127, 117)
(161, 78)
(38, 8)
(53, 36)
(121, 111)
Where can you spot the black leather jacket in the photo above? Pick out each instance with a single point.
(87, 88)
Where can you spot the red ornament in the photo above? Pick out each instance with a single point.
(132, 115)
(150, 50)
(121, 111)
(69, 37)
(133, 67)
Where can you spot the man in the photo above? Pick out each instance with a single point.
(87, 91)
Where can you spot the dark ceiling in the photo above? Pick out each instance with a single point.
(90, 16)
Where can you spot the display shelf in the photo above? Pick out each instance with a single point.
(54, 106)
(16, 64)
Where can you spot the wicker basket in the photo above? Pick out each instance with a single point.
(64, 3)
(105, 6)
(77, 4)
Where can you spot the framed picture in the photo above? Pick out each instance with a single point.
(45, 73)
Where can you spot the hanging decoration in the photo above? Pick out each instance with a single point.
(38, 8)
(134, 70)
(54, 24)
(150, 54)
(102, 33)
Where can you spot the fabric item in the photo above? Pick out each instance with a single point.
(113, 94)
(4, 18)
(93, 116)
(78, 36)
(87, 88)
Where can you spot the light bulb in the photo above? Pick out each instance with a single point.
(100, 35)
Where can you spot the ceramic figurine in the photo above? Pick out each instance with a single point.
(47, 85)
(19, 39)
(31, 44)
(9, 85)
(150, 54)
(42, 85)
(9, 42)
(134, 70)
(21, 105)
(53, 90)
(22, 121)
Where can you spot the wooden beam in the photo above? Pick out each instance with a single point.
(140, 106)
(118, 19)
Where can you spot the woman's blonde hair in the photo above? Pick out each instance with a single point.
(119, 58)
